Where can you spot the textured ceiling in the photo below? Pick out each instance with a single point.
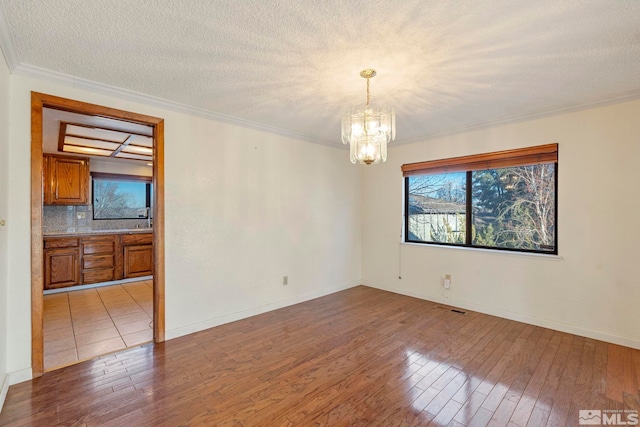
(292, 65)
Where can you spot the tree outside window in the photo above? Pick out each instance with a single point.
(121, 196)
(511, 207)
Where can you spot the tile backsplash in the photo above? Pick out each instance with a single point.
(67, 219)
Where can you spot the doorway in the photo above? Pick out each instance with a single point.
(38, 103)
(82, 324)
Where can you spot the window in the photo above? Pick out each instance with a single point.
(118, 196)
(505, 200)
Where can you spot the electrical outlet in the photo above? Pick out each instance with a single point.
(285, 280)
(447, 281)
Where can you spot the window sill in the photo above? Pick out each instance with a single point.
(549, 257)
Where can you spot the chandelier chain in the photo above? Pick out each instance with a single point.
(368, 95)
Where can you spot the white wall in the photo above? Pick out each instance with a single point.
(4, 207)
(243, 209)
(591, 289)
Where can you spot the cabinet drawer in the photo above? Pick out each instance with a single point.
(96, 276)
(61, 242)
(137, 239)
(98, 247)
(97, 261)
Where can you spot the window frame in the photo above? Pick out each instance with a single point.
(148, 180)
(543, 154)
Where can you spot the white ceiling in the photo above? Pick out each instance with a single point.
(291, 66)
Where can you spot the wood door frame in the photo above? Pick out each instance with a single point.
(39, 101)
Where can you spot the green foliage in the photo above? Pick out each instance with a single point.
(488, 188)
(444, 233)
(515, 206)
(485, 237)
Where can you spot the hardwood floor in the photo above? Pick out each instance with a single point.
(83, 324)
(361, 357)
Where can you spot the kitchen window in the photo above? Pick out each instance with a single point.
(116, 196)
(505, 200)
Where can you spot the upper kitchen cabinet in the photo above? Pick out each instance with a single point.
(66, 180)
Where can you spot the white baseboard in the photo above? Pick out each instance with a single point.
(13, 378)
(4, 390)
(243, 314)
(531, 320)
(20, 376)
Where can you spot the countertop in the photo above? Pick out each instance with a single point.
(96, 232)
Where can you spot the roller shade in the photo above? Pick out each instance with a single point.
(500, 159)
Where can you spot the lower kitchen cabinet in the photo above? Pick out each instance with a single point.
(61, 262)
(138, 255)
(138, 261)
(87, 259)
(61, 268)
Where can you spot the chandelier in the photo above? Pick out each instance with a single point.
(368, 128)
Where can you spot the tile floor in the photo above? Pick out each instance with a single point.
(80, 325)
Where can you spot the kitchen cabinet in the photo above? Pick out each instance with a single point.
(61, 263)
(95, 258)
(66, 180)
(99, 259)
(137, 255)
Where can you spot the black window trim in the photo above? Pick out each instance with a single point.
(469, 219)
(122, 177)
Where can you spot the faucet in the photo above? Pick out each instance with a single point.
(149, 219)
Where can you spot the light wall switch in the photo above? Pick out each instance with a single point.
(447, 281)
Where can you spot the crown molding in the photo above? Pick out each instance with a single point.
(130, 95)
(618, 98)
(6, 42)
